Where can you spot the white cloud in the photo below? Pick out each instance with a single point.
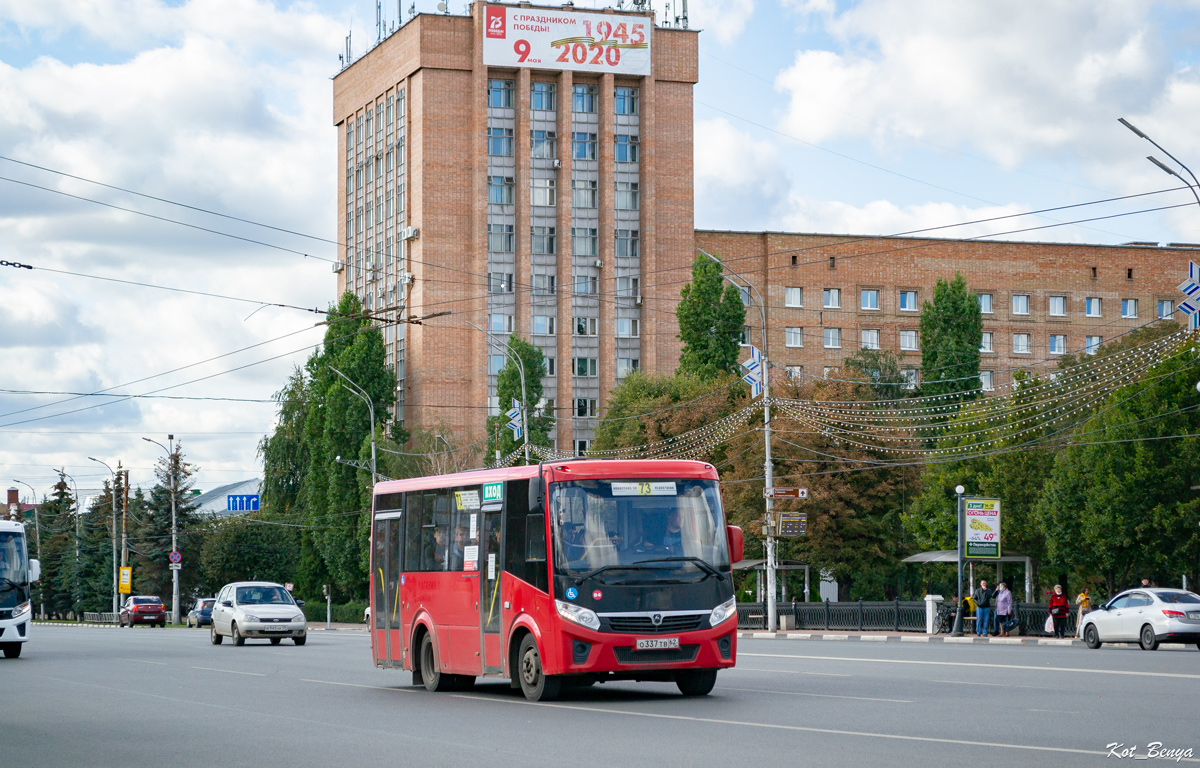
(722, 19)
(806, 214)
(739, 180)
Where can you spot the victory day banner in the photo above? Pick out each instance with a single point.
(543, 38)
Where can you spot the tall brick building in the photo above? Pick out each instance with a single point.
(529, 169)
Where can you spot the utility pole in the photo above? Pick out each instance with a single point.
(113, 499)
(124, 515)
(173, 466)
(75, 578)
(517, 361)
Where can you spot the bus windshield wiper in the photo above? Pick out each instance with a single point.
(9, 584)
(614, 567)
(698, 562)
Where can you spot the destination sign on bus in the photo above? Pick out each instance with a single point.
(643, 489)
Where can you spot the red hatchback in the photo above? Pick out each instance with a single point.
(143, 610)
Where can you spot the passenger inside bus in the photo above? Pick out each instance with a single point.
(434, 556)
(456, 551)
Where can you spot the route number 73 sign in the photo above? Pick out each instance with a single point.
(981, 523)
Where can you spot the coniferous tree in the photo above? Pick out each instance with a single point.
(951, 332)
(710, 315)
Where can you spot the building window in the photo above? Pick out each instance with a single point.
(793, 337)
(908, 341)
(985, 303)
(793, 297)
(542, 240)
(833, 338)
(586, 285)
(1166, 309)
(908, 301)
(500, 282)
(1020, 343)
(626, 101)
(1058, 344)
(1129, 308)
(583, 146)
(986, 381)
(550, 372)
(828, 371)
(628, 196)
(627, 365)
(744, 339)
(500, 190)
(498, 323)
(585, 407)
(583, 98)
(744, 294)
(1058, 306)
(581, 446)
(543, 285)
(795, 373)
(870, 298)
(1020, 304)
(833, 298)
(542, 96)
(584, 241)
(500, 238)
(544, 192)
(985, 342)
(543, 145)
(1092, 306)
(628, 327)
(628, 243)
(869, 338)
(499, 142)
(629, 287)
(495, 364)
(583, 193)
(585, 366)
(500, 93)
(626, 150)
(911, 378)
(1092, 344)
(543, 325)
(585, 326)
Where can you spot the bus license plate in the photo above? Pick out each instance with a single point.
(657, 643)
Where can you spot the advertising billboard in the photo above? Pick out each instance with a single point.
(982, 527)
(543, 38)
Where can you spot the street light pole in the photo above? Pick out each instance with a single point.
(173, 469)
(768, 467)
(115, 607)
(520, 370)
(360, 392)
(1191, 185)
(37, 535)
(958, 617)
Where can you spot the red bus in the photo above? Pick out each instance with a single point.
(566, 573)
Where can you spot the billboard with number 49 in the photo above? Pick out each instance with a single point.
(981, 521)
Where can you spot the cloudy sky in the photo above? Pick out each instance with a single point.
(877, 117)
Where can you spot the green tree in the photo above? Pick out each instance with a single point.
(951, 331)
(151, 534)
(710, 316)
(646, 408)
(880, 370)
(249, 547)
(95, 551)
(508, 388)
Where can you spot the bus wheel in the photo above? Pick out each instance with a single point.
(696, 682)
(536, 685)
(12, 650)
(431, 673)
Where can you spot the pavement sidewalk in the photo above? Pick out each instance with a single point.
(918, 637)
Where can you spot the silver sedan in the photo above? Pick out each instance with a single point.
(1148, 616)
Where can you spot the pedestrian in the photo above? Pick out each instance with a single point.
(1084, 601)
(983, 608)
(1060, 609)
(1145, 583)
(1004, 608)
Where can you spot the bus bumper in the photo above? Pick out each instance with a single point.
(585, 652)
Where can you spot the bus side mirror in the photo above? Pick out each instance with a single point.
(35, 570)
(733, 535)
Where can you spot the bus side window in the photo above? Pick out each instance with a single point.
(412, 531)
(535, 538)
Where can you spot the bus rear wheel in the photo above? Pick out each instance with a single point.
(696, 682)
(431, 673)
(535, 683)
(12, 650)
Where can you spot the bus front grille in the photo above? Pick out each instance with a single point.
(627, 655)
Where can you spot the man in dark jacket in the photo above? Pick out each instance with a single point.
(983, 608)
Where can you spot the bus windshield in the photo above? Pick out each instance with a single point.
(626, 527)
(14, 570)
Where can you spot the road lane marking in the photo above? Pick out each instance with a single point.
(787, 671)
(784, 727)
(964, 682)
(143, 661)
(1056, 711)
(230, 671)
(1179, 675)
(359, 685)
(817, 695)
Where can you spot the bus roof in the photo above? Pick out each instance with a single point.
(11, 526)
(559, 471)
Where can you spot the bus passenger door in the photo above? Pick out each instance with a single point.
(379, 546)
(490, 565)
(395, 566)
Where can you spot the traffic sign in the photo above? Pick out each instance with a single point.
(793, 524)
(241, 502)
(288, 586)
(785, 493)
(175, 557)
(175, 566)
(126, 582)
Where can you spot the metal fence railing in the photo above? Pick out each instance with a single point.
(99, 618)
(893, 616)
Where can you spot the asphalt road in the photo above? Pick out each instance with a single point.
(104, 697)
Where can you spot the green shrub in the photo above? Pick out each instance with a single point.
(343, 613)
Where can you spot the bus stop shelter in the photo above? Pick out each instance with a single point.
(760, 567)
(951, 556)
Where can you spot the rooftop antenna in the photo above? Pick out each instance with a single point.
(378, 20)
(685, 14)
(412, 11)
(443, 7)
(349, 58)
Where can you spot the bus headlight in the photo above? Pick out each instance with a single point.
(22, 609)
(578, 614)
(723, 612)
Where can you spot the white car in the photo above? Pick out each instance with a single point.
(1147, 615)
(257, 609)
